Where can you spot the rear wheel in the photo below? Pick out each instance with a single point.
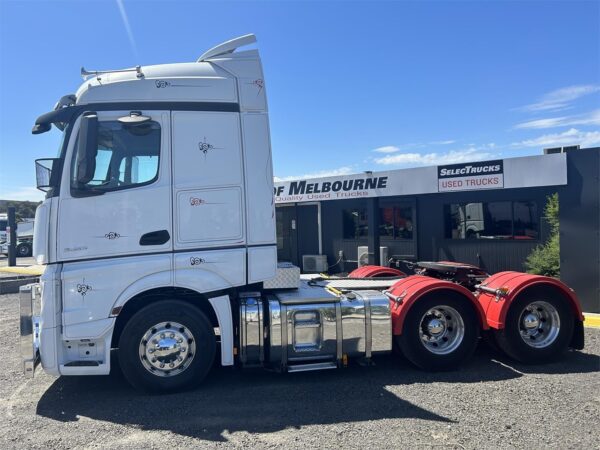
(538, 328)
(24, 250)
(166, 346)
(440, 332)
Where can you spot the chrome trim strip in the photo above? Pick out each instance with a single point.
(338, 331)
(284, 335)
(368, 330)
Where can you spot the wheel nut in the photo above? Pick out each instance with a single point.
(162, 335)
(171, 365)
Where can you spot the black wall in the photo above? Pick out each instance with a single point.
(580, 227)
(333, 241)
(429, 243)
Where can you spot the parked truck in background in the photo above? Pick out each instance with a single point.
(24, 246)
(158, 236)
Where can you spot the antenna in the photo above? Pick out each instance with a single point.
(228, 47)
(87, 73)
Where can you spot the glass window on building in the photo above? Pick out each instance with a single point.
(355, 223)
(396, 222)
(491, 220)
(526, 221)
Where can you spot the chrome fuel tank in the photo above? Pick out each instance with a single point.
(312, 328)
(312, 324)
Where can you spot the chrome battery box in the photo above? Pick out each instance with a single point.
(251, 329)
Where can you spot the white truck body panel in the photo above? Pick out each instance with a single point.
(90, 288)
(208, 193)
(187, 82)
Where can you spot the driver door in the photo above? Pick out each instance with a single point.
(126, 208)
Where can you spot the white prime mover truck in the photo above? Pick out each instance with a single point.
(158, 239)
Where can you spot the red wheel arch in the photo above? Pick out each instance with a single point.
(513, 284)
(375, 271)
(407, 291)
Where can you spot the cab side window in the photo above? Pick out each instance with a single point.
(128, 156)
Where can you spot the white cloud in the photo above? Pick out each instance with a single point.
(434, 159)
(387, 149)
(23, 193)
(561, 98)
(345, 170)
(572, 136)
(590, 118)
(127, 27)
(447, 142)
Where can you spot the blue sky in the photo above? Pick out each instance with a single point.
(352, 86)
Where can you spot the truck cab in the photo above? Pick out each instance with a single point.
(164, 180)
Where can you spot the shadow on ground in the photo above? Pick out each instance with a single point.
(257, 401)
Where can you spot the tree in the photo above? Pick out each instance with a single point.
(23, 209)
(545, 258)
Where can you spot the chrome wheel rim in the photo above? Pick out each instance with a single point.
(539, 324)
(441, 330)
(167, 349)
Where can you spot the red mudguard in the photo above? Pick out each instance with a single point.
(407, 291)
(513, 283)
(375, 271)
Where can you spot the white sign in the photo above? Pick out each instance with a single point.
(529, 171)
(471, 176)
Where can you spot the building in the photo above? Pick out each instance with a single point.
(487, 213)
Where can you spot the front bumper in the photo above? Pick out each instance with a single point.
(30, 309)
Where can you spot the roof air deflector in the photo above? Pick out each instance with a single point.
(228, 47)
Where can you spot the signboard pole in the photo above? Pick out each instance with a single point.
(12, 237)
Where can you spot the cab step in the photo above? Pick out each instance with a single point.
(312, 366)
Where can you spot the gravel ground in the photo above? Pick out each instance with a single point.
(491, 403)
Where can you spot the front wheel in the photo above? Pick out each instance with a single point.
(538, 328)
(167, 346)
(440, 332)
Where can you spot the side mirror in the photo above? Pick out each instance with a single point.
(87, 148)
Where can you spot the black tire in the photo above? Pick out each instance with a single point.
(411, 343)
(24, 250)
(510, 341)
(194, 322)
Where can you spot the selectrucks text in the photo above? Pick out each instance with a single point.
(172, 259)
(480, 168)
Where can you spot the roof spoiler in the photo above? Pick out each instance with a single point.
(228, 47)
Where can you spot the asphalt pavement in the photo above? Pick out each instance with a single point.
(491, 403)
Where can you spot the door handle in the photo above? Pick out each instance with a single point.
(155, 238)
